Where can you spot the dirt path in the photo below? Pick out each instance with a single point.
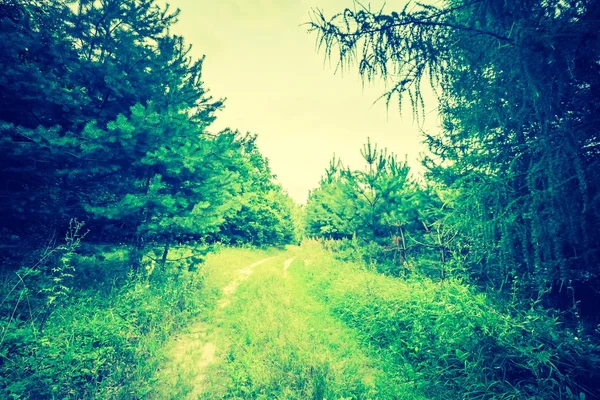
(266, 337)
(243, 274)
(286, 265)
(194, 351)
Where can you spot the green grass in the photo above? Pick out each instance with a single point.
(103, 341)
(274, 340)
(178, 375)
(450, 340)
(238, 328)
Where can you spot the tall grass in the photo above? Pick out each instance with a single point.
(322, 329)
(104, 340)
(452, 340)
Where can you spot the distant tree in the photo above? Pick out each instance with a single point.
(359, 202)
(383, 209)
(266, 215)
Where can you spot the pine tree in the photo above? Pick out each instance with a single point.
(115, 104)
(519, 98)
(265, 213)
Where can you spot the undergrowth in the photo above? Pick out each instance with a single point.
(453, 341)
(102, 340)
(322, 329)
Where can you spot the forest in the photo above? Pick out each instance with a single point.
(143, 255)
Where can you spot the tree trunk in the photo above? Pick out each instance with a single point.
(163, 260)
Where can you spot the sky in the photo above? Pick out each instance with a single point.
(280, 87)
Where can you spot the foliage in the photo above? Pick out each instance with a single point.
(519, 99)
(359, 202)
(102, 342)
(104, 119)
(266, 215)
(273, 340)
(384, 216)
(78, 65)
(126, 146)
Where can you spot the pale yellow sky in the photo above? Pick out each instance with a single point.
(278, 86)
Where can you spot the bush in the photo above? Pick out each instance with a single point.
(375, 256)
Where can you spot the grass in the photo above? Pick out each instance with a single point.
(451, 340)
(283, 324)
(104, 340)
(188, 354)
(273, 340)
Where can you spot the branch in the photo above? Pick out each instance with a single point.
(414, 21)
(167, 260)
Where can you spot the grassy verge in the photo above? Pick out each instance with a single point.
(103, 340)
(450, 340)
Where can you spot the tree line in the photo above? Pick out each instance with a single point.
(510, 199)
(511, 188)
(104, 119)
